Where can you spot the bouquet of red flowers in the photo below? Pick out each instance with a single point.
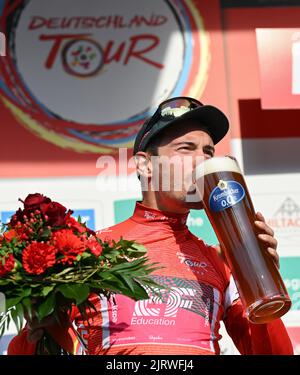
(50, 262)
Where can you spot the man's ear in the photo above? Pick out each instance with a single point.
(143, 164)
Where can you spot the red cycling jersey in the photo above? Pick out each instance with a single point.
(185, 318)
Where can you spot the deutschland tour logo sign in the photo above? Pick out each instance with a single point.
(286, 222)
(85, 75)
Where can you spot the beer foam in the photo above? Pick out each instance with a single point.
(217, 164)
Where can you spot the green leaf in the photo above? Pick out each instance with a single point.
(132, 266)
(17, 315)
(2, 329)
(21, 293)
(26, 302)
(10, 302)
(20, 312)
(46, 290)
(128, 281)
(138, 250)
(3, 324)
(19, 264)
(117, 285)
(5, 319)
(26, 292)
(47, 307)
(85, 255)
(77, 292)
(46, 233)
(4, 282)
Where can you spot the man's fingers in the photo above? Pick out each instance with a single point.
(260, 216)
(271, 241)
(274, 255)
(36, 328)
(35, 335)
(34, 323)
(267, 236)
(264, 227)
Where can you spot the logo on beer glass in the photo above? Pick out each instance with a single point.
(226, 194)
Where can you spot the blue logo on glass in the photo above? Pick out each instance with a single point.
(225, 195)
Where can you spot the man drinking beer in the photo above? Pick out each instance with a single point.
(200, 290)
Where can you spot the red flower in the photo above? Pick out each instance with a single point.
(93, 245)
(31, 203)
(34, 201)
(56, 213)
(37, 257)
(17, 217)
(21, 232)
(73, 224)
(106, 239)
(68, 244)
(6, 264)
(17, 233)
(9, 235)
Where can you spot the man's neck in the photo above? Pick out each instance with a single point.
(151, 202)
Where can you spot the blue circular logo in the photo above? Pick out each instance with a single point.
(225, 195)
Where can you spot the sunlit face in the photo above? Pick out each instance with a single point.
(179, 151)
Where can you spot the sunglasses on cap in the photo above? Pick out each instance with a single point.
(172, 108)
(167, 111)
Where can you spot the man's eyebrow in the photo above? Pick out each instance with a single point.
(184, 143)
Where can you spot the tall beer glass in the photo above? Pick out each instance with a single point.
(230, 210)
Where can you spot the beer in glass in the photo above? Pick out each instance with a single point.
(229, 208)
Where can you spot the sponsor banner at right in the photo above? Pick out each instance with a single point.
(277, 197)
(285, 220)
(290, 272)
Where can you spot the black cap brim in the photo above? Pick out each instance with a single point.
(210, 119)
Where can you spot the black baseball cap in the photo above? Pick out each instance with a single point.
(173, 112)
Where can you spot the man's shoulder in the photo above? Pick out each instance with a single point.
(217, 257)
(219, 253)
(116, 231)
(212, 250)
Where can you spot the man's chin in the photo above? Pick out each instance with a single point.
(193, 200)
(195, 205)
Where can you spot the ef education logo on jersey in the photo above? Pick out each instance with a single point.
(225, 195)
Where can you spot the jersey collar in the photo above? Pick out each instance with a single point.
(151, 216)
